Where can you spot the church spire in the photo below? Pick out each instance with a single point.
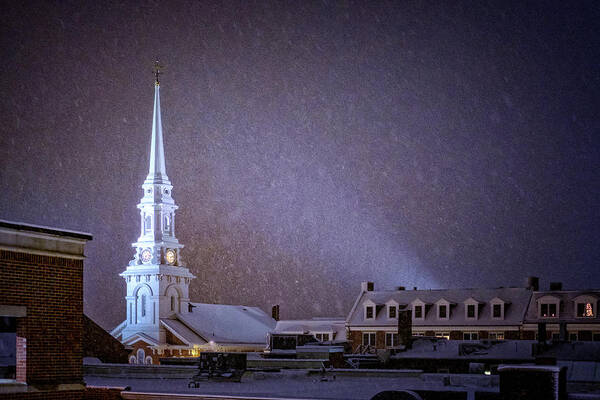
(157, 172)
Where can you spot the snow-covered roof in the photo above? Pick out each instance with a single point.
(182, 332)
(452, 349)
(517, 300)
(314, 325)
(228, 324)
(568, 308)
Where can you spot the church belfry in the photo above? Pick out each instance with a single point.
(157, 280)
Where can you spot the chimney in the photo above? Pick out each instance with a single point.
(401, 288)
(556, 286)
(414, 288)
(405, 328)
(542, 335)
(367, 286)
(275, 312)
(533, 283)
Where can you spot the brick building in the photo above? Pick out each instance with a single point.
(456, 314)
(41, 309)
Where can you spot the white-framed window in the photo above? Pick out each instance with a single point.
(548, 307)
(497, 308)
(443, 309)
(444, 335)
(391, 339)
(148, 360)
(496, 335)
(471, 309)
(132, 360)
(470, 336)
(418, 310)
(368, 338)
(585, 306)
(392, 311)
(369, 310)
(322, 337)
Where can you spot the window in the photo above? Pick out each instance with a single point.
(141, 355)
(148, 360)
(391, 339)
(442, 311)
(392, 312)
(418, 334)
(496, 335)
(445, 335)
(573, 337)
(369, 312)
(470, 336)
(132, 360)
(143, 307)
(585, 310)
(555, 337)
(172, 303)
(167, 224)
(548, 310)
(322, 337)
(497, 311)
(419, 312)
(596, 337)
(147, 223)
(369, 338)
(470, 310)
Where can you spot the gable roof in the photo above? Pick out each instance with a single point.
(139, 337)
(226, 324)
(517, 300)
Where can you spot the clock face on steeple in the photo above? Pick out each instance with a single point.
(171, 256)
(146, 255)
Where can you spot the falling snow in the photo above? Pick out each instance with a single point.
(311, 145)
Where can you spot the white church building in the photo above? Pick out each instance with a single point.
(161, 319)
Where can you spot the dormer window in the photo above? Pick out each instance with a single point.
(471, 311)
(471, 308)
(369, 312)
(548, 310)
(418, 312)
(497, 311)
(585, 306)
(443, 309)
(498, 308)
(392, 311)
(548, 307)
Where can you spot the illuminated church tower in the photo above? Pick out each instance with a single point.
(157, 281)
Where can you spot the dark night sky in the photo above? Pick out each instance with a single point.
(311, 145)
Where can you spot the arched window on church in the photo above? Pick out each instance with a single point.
(141, 355)
(172, 303)
(143, 305)
(132, 360)
(147, 223)
(167, 224)
(148, 360)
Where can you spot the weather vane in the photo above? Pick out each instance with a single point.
(158, 69)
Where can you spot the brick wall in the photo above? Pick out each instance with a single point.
(51, 288)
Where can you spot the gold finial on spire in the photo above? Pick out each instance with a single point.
(158, 69)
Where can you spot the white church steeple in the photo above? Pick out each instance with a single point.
(157, 280)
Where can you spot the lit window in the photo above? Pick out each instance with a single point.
(496, 335)
(369, 312)
(444, 335)
(369, 338)
(585, 310)
(391, 339)
(322, 337)
(548, 310)
(418, 311)
(391, 311)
